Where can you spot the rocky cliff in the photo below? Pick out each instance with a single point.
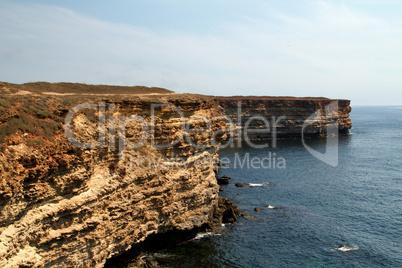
(79, 186)
(286, 117)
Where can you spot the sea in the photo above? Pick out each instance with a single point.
(303, 212)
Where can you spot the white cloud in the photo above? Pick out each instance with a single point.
(335, 52)
(343, 18)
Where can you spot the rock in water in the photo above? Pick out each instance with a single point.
(225, 212)
(224, 180)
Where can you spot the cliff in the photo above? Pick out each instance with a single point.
(80, 186)
(286, 117)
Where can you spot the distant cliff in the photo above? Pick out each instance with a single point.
(79, 186)
(286, 117)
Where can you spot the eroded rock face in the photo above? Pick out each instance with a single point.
(65, 206)
(286, 117)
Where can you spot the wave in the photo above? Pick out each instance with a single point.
(160, 255)
(346, 248)
(259, 184)
(203, 235)
(271, 207)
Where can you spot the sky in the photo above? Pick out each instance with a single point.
(349, 49)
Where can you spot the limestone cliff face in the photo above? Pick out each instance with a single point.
(286, 117)
(66, 206)
(62, 205)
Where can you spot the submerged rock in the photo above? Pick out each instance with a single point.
(240, 184)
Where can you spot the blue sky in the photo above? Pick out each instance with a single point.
(338, 49)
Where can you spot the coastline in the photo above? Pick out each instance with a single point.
(66, 205)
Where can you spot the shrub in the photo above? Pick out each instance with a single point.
(4, 103)
(27, 123)
(34, 142)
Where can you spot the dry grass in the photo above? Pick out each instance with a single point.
(27, 114)
(76, 88)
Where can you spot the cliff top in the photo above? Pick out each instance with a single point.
(64, 88)
(77, 88)
(235, 98)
